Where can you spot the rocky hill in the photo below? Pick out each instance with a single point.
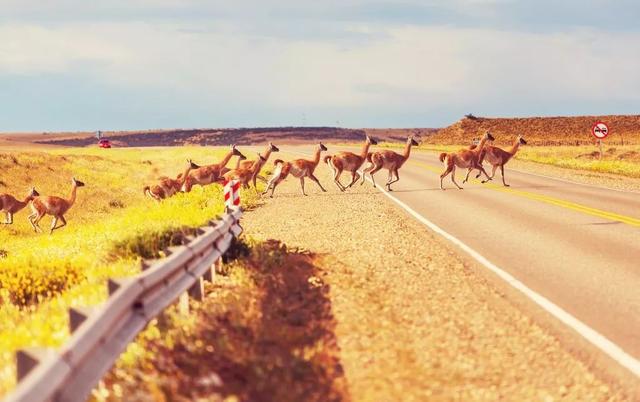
(541, 130)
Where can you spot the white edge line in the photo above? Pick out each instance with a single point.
(595, 338)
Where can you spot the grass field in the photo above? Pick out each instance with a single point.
(110, 228)
(620, 160)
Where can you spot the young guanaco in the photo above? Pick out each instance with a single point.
(168, 186)
(54, 206)
(10, 205)
(390, 160)
(244, 174)
(299, 168)
(350, 162)
(210, 173)
(498, 157)
(259, 163)
(464, 158)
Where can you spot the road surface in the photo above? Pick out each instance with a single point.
(576, 245)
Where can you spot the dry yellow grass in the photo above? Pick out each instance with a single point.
(109, 229)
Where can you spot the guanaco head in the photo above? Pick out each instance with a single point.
(235, 151)
(33, 193)
(322, 147)
(521, 140)
(274, 148)
(262, 158)
(192, 165)
(489, 137)
(371, 141)
(77, 183)
(413, 141)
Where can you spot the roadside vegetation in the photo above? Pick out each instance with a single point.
(264, 332)
(110, 228)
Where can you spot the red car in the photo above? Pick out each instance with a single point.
(104, 143)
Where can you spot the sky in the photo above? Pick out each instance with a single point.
(73, 65)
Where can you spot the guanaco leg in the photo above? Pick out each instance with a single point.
(314, 178)
(355, 176)
(302, 185)
(393, 181)
(55, 221)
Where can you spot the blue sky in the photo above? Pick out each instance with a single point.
(138, 64)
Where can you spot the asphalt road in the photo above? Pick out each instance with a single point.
(576, 245)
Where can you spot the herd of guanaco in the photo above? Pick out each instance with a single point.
(247, 172)
(57, 207)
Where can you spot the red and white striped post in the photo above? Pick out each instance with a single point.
(231, 193)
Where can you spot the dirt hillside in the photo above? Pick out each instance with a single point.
(541, 130)
(225, 136)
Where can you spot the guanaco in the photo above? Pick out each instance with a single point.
(210, 173)
(464, 158)
(350, 162)
(54, 206)
(259, 163)
(390, 160)
(299, 168)
(244, 174)
(10, 205)
(498, 157)
(168, 186)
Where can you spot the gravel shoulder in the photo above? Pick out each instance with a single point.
(413, 319)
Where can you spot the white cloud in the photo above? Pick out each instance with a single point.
(406, 67)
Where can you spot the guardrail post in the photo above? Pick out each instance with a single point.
(197, 290)
(217, 266)
(27, 359)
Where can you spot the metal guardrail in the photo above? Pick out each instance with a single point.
(100, 335)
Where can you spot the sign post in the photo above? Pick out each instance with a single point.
(600, 131)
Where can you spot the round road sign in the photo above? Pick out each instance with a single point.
(600, 130)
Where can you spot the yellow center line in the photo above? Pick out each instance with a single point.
(548, 200)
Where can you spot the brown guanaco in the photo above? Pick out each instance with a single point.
(464, 158)
(259, 163)
(10, 205)
(244, 174)
(168, 186)
(299, 168)
(54, 206)
(390, 160)
(498, 157)
(350, 162)
(210, 173)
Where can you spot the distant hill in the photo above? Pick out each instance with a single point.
(540, 130)
(226, 136)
